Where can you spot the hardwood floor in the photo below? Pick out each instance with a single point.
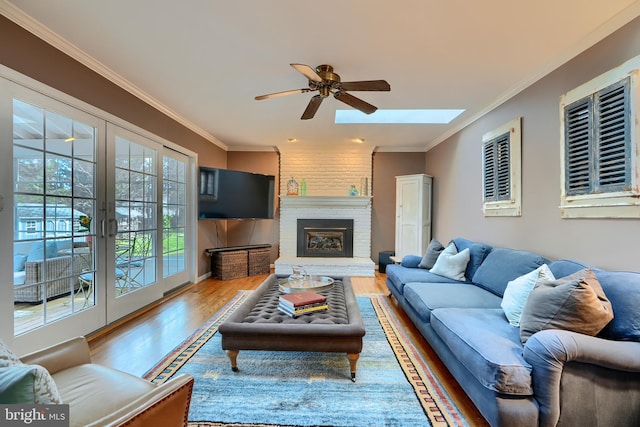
(137, 343)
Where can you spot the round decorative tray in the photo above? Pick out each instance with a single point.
(312, 283)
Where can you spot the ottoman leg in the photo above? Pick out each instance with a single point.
(233, 356)
(353, 360)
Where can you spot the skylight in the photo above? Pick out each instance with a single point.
(398, 116)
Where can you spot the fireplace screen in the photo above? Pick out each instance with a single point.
(325, 238)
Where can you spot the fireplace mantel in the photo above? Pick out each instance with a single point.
(325, 201)
(357, 208)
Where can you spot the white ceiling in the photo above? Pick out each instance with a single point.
(204, 61)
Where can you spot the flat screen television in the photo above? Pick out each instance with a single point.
(231, 194)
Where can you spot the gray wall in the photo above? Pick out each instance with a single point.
(457, 167)
(386, 166)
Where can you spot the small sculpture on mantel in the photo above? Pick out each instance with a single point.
(292, 187)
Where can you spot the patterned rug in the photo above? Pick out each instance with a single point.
(394, 385)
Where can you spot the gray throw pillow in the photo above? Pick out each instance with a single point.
(574, 303)
(431, 255)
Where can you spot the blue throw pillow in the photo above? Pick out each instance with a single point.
(503, 265)
(477, 253)
(19, 260)
(564, 267)
(16, 385)
(411, 261)
(623, 291)
(38, 251)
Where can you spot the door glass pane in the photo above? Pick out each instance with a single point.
(173, 215)
(136, 213)
(54, 170)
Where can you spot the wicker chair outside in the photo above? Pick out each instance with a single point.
(50, 278)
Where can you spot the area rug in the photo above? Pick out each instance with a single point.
(394, 385)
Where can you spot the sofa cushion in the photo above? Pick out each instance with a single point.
(451, 263)
(399, 276)
(574, 303)
(622, 288)
(432, 253)
(95, 391)
(19, 260)
(477, 253)
(503, 265)
(426, 297)
(518, 290)
(19, 277)
(563, 267)
(487, 345)
(39, 251)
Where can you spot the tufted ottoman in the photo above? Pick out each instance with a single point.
(258, 325)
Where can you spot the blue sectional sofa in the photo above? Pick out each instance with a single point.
(558, 376)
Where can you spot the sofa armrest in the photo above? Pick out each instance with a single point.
(550, 350)
(55, 268)
(61, 356)
(166, 405)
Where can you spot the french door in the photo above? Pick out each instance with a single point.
(98, 216)
(55, 259)
(131, 222)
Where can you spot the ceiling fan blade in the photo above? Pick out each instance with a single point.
(312, 107)
(373, 85)
(308, 72)
(356, 103)
(286, 92)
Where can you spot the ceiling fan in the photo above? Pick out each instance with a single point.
(326, 82)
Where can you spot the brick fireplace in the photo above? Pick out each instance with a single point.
(329, 173)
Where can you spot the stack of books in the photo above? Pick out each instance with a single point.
(301, 303)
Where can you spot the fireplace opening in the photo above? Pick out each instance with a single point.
(325, 238)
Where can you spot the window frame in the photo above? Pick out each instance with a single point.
(618, 203)
(511, 205)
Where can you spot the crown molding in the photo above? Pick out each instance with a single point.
(34, 26)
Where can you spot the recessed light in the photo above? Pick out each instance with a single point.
(292, 139)
(358, 140)
(398, 116)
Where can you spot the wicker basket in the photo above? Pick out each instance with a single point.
(259, 261)
(229, 265)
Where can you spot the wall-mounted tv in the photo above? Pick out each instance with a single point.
(230, 194)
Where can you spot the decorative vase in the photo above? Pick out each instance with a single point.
(292, 187)
(303, 187)
(353, 191)
(364, 186)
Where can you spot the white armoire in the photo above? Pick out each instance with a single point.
(413, 214)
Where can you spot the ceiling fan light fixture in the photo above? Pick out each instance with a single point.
(326, 83)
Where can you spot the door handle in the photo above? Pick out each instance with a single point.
(113, 227)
